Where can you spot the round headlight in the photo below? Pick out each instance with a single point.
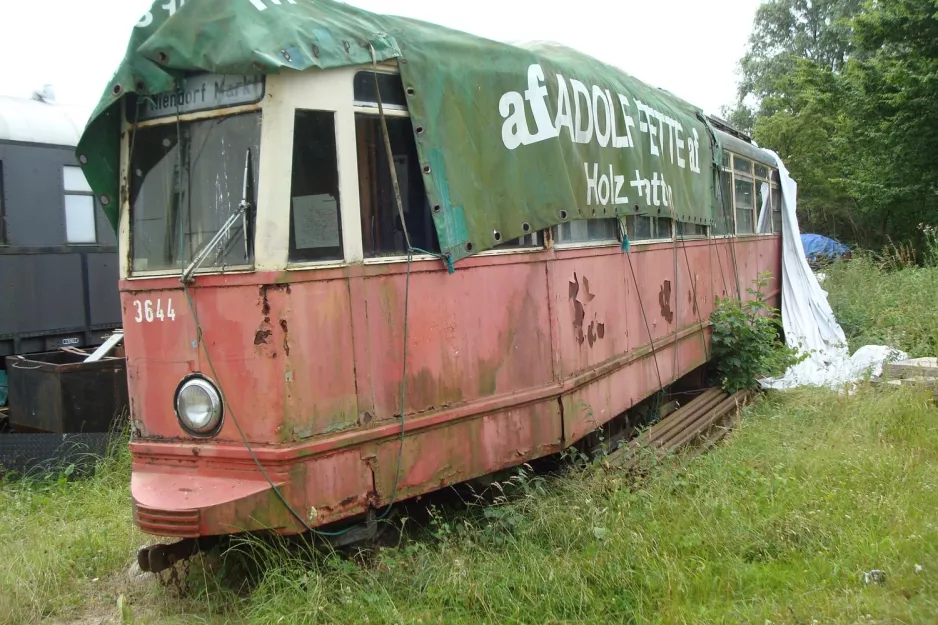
(198, 406)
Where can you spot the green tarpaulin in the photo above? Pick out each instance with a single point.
(512, 139)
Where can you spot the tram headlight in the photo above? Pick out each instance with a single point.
(198, 406)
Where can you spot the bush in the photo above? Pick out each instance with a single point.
(747, 341)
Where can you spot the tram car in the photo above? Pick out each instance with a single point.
(58, 254)
(364, 258)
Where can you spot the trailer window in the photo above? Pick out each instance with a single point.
(315, 218)
(528, 241)
(187, 179)
(587, 231)
(382, 230)
(79, 207)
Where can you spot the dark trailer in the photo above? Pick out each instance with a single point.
(58, 254)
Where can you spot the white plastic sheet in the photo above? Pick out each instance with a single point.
(807, 317)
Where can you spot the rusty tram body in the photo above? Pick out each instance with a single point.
(267, 386)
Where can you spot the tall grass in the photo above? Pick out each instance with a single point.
(878, 300)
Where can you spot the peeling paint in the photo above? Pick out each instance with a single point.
(664, 300)
(580, 295)
(261, 337)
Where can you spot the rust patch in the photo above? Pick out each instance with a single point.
(580, 297)
(265, 305)
(286, 336)
(261, 337)
(664, 300)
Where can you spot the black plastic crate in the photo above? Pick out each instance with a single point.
(59, 392)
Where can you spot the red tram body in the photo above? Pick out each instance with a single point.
(299, 320)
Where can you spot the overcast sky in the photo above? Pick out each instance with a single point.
(689, 47)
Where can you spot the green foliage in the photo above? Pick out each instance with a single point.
(847, 93)
(746, 341)
(882, 300)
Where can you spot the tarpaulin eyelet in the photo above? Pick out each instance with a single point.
(426, 169)
(105, 200)
(285, 54)
(82, 159)
(419, 130)
(117, 89)
(315, 50)
(563, 214)
(162, 57)
(636, 208)
(497, 235)
(410, 91)
(436, 208)
(469, 247)
(526, 227)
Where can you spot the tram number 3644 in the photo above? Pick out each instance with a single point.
(146, 310)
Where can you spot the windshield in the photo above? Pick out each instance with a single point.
(186, 181)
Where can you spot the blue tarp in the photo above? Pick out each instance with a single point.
(816, 245)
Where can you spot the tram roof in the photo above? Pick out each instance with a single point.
(482, 141)
(28, 120)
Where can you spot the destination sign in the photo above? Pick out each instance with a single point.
(204, 93)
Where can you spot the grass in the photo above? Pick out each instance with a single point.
(779, 524)
(893, 307)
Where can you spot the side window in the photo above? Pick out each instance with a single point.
(647, 228)
(315, 219)
(723, 210)
(763, 199)
(382, 230)
(528, 241)
(79, 207)
(686, 231)
(776, 205)
(745, 195)
(587, 231)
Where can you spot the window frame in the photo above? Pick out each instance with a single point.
(654, 239)
(590, 243)
(65, 194)
(361, 107)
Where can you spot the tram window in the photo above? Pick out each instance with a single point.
(315, 218)
(776, 209)
(587, 231)
(647, 228)
(742, 164)
(763, 207)
(527, 241)
(744, 206)
(685, 230)
(186, 181)
(382, 231)
(723, 209)
(392, 90)
(761, 171)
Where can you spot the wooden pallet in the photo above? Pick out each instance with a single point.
(698, 425)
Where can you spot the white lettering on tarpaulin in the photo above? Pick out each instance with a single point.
(170, 6)
(260, 6)
(656, 191)
(590, 112)
(605, 188)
